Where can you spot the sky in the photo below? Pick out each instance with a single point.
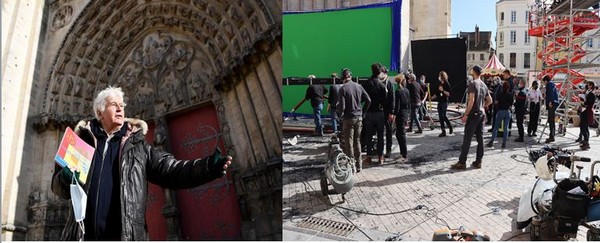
(468, 13)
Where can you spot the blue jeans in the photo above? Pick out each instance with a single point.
(502, 115)
(334, 119)
(317, 114)
(414, 117)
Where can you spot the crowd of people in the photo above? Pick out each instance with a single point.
(376, 108)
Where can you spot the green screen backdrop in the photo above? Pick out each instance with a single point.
(325, 42)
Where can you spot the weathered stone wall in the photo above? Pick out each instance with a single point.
(21, 21)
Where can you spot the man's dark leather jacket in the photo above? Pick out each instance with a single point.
(140, 163)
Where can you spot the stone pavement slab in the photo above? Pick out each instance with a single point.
(416, 197)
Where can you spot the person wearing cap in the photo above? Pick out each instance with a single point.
(350, 110)
(551, 105)
(474, 116)
(534, 96)
(316, 94)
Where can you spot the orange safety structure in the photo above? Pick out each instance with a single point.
(559, 32)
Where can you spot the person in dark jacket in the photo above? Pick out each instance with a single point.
(521, 109)
(441, 94)
(401, 113)
(587, 115)
(350, 109)
(374, 119)
(388, 110)
(414, 88)
(332, 100)
(316, 94)
(123, 163)
(551, 105)
(504, 101)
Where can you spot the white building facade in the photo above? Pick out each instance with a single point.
(516, 50)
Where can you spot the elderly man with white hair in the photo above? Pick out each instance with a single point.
(122, 165)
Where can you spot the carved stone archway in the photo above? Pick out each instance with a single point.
(182, 48)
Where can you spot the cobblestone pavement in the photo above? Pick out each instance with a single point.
(484, 199)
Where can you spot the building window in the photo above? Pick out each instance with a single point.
(501, 18)
(591, 42)
(481, 57)
(501, 41)
(513, 60)
(501, 58)
(513, 37)
(513, 17)
(527, 60)
(527, 38)
(526, 17)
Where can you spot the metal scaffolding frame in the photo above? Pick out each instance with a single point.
(563, 29)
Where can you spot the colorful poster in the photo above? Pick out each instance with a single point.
(75, 153)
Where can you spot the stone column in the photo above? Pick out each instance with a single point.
(21, 24)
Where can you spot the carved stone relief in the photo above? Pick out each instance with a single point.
(165, 55)
(61, 17)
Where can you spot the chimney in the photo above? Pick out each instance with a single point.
(476, 35)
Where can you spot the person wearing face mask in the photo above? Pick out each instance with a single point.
(534, 96)
(520, 108)
(122, 165)
(504, 101)
(587, 115)
(551, 97)
(388, 109)
(473, 118)
(424, 97)
(414, 89)
(441, 94)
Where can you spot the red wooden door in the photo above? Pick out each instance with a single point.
(157, 223)
(210, 211)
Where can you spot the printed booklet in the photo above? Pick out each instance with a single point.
(75, 153)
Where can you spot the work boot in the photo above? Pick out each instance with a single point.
(503, 145)
(450, 130)
(409, 130)
(419, 131)
(585, 146)
(458, 166)
(549, 140)
(490, 144)
(519, 139)
(476, 164)
(579, 140)
(443, 134)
